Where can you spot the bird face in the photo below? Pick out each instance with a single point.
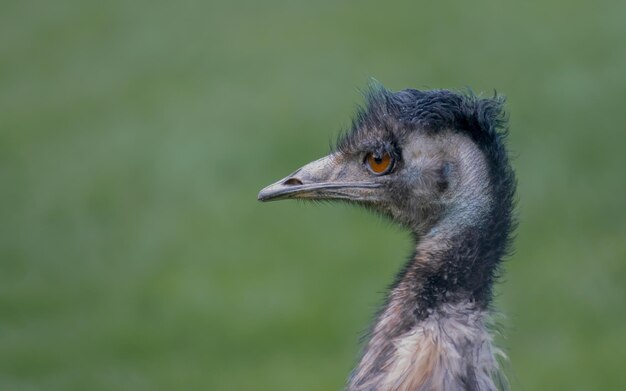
(402, 173)
(415, 156)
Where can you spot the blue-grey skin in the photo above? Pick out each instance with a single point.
(450, 183)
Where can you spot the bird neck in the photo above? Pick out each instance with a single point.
(431, 334)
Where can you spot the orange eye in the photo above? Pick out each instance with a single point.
(378, 165)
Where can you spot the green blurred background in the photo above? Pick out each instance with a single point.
(134, 137)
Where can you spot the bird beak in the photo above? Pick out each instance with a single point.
(331, 177)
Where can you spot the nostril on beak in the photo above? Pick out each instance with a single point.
(292, 182)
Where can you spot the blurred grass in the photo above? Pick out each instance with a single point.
(134, 137)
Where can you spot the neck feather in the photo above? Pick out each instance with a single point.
(450, 349)
(432, 334)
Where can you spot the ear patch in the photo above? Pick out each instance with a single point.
(443, 180)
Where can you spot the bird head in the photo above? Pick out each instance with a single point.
(411, 155)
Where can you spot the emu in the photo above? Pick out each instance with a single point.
(436, 163)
